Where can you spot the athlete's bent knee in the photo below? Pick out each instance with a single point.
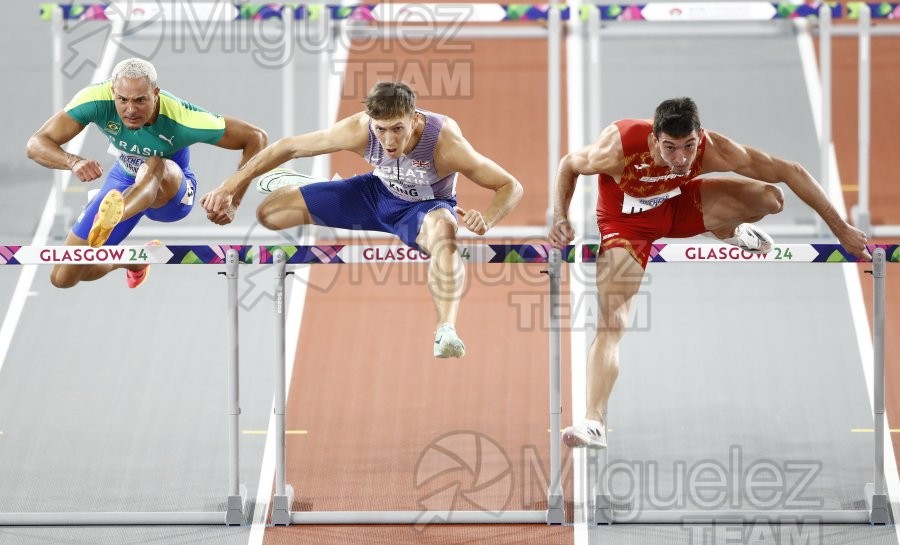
(60, 279)
(265, 214)
(283, 209)
(439, 232)
(444, 228)
(774, 199)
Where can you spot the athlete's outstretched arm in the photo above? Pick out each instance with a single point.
(45, 148)
(724, 155)
(454, 153)
(220, 203)
(603, 157)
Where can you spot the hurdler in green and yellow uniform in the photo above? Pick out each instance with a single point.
(150, 132)
(178, 125)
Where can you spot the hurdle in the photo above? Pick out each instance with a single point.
(603, 511)
(230, 257)
(878, 512)
(282, 256)
(864, 32)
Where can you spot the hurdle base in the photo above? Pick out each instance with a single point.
(879, 506)
(281, 507)
(833, 516)
(418, 519)
(100, 518)
(556, 509)
(235, 514)
(602, 512)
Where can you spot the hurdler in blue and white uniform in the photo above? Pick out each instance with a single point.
(411, 193)
(150, 132)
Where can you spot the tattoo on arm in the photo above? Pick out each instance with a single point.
(72, 160)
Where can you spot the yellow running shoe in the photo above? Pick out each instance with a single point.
(108, 216)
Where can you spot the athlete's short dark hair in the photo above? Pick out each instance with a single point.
(390, 100)
(677, 117)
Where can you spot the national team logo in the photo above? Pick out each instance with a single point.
(421, 164)
(113, 127)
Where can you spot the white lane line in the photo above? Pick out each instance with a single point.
(293, 320)
(578, 336)
(296, 302)
(42, 233)
(850, 271)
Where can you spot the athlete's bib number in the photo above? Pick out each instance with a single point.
(188, 197)
(634, 205)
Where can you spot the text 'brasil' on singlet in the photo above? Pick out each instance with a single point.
(644, 185)
(413, 177)
(178, 125)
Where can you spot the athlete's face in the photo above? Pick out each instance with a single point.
(136, 101)
(678, 153)
(394, 135)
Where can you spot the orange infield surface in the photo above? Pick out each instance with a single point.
(884, 163)
(366, 386)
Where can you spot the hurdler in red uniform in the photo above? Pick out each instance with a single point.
(649, 189)
(641, 206)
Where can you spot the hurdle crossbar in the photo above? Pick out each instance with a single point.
(336, 254)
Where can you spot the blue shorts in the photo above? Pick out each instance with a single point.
(362, 203)
(177, 208)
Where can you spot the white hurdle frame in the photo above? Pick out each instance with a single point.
(235, 501)
(864, 31)
(879, 508)
(284, 493)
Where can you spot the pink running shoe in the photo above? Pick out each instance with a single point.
(138, 277)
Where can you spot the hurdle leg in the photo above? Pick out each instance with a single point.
(237, 493)
(879, 507)
(556, 509)
(598, 462)
(284, 493)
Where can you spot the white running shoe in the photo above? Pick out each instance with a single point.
(587, 434)
(751, 239)
(447, 343)
(281, 177)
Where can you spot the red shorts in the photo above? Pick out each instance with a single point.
(678, 217)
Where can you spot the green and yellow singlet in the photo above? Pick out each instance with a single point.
(178, 125)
